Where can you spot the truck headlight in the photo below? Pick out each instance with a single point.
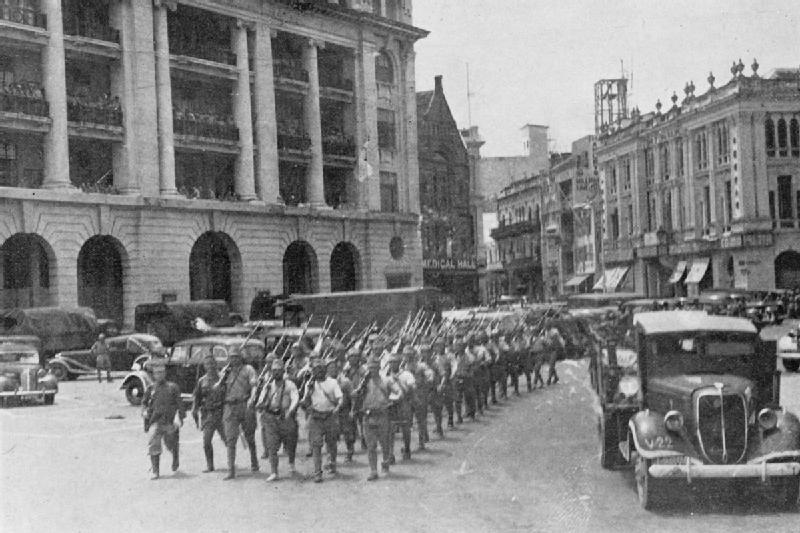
(767, 419)
(629, 386)
(673, 421)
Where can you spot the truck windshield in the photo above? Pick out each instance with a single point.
(701, 352)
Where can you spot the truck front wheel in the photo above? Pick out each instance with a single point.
(134, 392)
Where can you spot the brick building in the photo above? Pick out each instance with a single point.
(162, 149)
(705, 193)
(446, 192)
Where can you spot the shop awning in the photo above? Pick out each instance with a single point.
(698, 270)
(611, 279)
(680, 269)
(577, 280)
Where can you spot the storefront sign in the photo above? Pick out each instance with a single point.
(449, 264)
(618, 256)
(747, 240)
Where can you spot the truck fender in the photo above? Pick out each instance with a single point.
(140, 375)
(652, 440)
(74, 366)
(785, 437)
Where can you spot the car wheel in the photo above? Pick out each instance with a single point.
(791, 365)
(134, 392)
(644, 483)
(60, 372)
(609, 442)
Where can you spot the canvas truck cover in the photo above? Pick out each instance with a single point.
(58, 328)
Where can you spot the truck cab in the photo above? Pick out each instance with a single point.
(696, 396)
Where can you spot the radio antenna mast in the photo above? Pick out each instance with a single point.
(469, 101)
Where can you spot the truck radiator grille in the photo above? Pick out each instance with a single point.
(722, 426)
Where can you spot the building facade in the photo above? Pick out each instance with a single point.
(446, 199)
(158, 150)
(705, 194)
(518, 239)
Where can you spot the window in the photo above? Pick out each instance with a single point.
(6, 71)
(700, 151)
(386, 129)
(707, 207)
(614, 225)
(679, 157)
(8, 164)
(626, 174)
(666, 211)
(723, 143)
(785, 199)
(389, 200)
(664, 161)
(769, 137)
(649, 164)
(384, 71)
(651, 211)
(782, 138)
(612, 179)
(630, 219)
(728, 207)
(794, 137)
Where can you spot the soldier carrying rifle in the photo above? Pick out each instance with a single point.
(161, 402)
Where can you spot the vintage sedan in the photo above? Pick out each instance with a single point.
(185, 363)
(789, 350)
(22, 378)
(122, 351)
(697, 399)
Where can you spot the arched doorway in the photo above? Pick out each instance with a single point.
(100, 277)
(345, 271)
(300, 274)
(787, 270)
(29, 264)
(212, 264)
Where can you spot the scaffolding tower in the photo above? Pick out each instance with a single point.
(610, 103)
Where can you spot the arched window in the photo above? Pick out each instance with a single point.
(384, 71)
(769, 137)
(794, 137)
(782, 137)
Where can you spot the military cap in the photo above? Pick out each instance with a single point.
(316, 362)
(353, 352)
(409, 351)
(330, 360)
(277, 364)
(393, 358)
(373, 362)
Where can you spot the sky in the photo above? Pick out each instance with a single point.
(536, 61)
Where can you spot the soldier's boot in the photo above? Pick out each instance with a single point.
(253, 459)
(99, 377)
(209, 460)
(154, 466)
(351, 448)
(273, 467)
(231, 464)
(176, 462)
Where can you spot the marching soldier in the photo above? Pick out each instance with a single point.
(102, 360)
(239, 380)
(347, 421)
(207, 402)
(555, 345)
(423, 378)
(444, 388)
(161, 402)
(402, 412)
(464, 381)
(538, 351)
(355, 373)
(322, 400)
(374, 396)
(277, 403)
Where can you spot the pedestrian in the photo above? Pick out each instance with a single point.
(277, 403)
(347, 420)
(555, 346)
(102, 359)
(322, 401)
(207, 406)
(160, 404)
(374, 396)
(239, 380)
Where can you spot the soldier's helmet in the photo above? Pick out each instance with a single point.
(409, 352)
(277, 364)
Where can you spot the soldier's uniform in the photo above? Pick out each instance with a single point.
(555, 345)
(402, 412)
(277, 403)
(322, 400)
(207, 402)
(375, 395)
(538, 353)
(347, 421)
(524, 347)
(464, 381)
(161, 402)
(355, 373)
(423, 379)
(443, 396)
(240, 380)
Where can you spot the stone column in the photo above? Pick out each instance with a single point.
(409, 139)
(122, 83)
(166, 137)
(266, 126)
(315, 189)
(244, 179)
(56, 144)
(367, 128)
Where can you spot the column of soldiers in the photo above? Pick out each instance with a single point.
(379, 385)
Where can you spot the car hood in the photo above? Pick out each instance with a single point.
(686, 384)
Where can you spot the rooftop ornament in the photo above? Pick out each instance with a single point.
(674, 99)
(754, 66)
(734, 69)
(711, 79)
(740, 67)
(658, 106)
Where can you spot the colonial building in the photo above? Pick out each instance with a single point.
(162, 149)
(704, 193)
(446, 193)
(518, 237)
(571, 209)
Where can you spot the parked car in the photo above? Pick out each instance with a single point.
(122, 350)
(58, 328)
(22, 378)
(789, 350)
(698, 398)
(185, 364)
(174, 321)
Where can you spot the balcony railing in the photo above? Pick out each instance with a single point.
(205, 125)
(203, 50)
(290, 69)
(22, 14)
(294, 141)
(94, 110)
(340, 145)
(335, 80)
(90, 29)
(26, 98)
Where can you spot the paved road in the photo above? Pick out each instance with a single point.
(529, 465)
